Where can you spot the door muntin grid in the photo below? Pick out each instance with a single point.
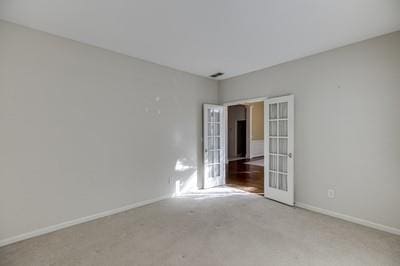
(214, 147)
(278, 145)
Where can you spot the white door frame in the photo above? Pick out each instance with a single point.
(248, 119)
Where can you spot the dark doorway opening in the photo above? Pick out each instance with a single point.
(241, 138)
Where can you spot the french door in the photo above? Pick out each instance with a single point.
(213, 145)
(279, 146)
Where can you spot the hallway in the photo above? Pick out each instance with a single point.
(244, 176)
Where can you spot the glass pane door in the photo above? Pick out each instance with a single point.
(214, 146)
(279, 143)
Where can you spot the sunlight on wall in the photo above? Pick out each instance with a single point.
(186, 176)
(182, 187)
(181, 165)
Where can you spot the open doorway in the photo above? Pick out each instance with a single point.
(272, 176)
(241, 138)
(245, 146)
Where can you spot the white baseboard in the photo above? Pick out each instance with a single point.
(236, 159)
(56, 227)
(63, 225)
(349, 218)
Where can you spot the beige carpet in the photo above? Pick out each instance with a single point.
(220, 227)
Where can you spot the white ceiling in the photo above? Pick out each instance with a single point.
(207, 36)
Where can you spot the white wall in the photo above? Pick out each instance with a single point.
(347, 125)
(85, 130)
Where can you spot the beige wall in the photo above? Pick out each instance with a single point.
(347, 125)
(84, 130)
(257, 122)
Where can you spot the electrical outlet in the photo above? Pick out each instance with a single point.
(331, 193)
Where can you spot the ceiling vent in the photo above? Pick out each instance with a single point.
(216, 75)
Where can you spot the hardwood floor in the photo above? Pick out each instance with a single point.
(245, 176)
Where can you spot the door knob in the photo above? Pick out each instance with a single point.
(290, 155)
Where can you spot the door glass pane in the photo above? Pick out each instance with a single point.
(273, 162)
(283, 164)
(217, 170)
(213, 113)
(210, 171)
(217, 143)
(283, 146)
(216, 157)
(283, 110)
(273, 145)
(217, 116)
(210, 129)
(273, 111)
(210, 143)
(283, 128)
(282, 182)
(273, 128)
(272, 179)
(217, 129)
(210, 157)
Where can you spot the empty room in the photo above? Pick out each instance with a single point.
(188, 132)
